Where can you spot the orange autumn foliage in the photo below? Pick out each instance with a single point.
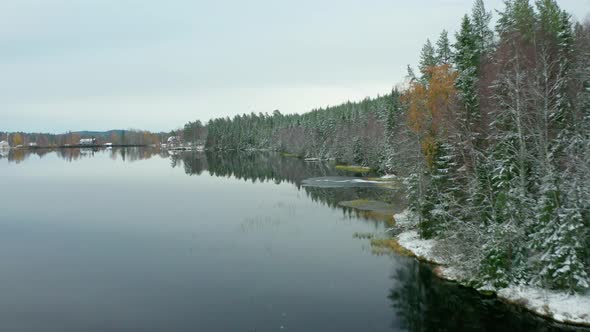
(430, 107)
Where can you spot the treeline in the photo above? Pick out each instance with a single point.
(117, 137)
(353, 132)
(193, 132)
(492, 135)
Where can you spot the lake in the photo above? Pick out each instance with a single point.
(144, 240)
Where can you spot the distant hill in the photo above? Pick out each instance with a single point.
(107, 133)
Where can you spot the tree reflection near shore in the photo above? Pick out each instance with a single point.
(423, 302)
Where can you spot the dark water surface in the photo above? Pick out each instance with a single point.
(141, 240)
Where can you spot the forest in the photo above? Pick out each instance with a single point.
(116, 137)
(490, 135)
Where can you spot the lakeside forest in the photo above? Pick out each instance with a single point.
(490, 135)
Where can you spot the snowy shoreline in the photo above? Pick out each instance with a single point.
(557, 306)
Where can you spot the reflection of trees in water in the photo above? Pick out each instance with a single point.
(269, 166)
(253, 166)
(424, 302)
(194, 162)
(20, 155)
(129, 154)
(421, 300)
(263, 167)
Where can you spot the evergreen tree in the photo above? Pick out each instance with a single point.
(482, 33)
(410, 75)
(427, 60)
(444, 188)
(563, 259)
(467, 62)
(565, 42)
(518, 18)
(443, 49)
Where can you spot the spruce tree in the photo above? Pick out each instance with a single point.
(443, 49)
(565, 42)
(427, 60)
(467, 61)
(483, 34)
(518, 17)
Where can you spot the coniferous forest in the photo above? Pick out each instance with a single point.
(490, 134)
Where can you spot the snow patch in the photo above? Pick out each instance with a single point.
(420, 247)
(561, 307)
(363, 181)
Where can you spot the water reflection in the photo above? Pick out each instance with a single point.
(273, 167)
(252, 167)
(424, 302)
(73, 154)
(413, 298)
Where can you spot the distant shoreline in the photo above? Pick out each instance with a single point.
(78, 146)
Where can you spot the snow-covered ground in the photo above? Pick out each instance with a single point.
(559, 306)
(420, 248)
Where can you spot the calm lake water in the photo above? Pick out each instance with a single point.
(138, 239)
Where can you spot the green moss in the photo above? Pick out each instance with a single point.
(290, 155)
(356, 204)
(487, 293)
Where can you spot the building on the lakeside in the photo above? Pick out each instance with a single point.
(33, 144)
(172, 141)
(88, 141)
(4, 145)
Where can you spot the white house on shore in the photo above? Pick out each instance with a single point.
(173, 141)
(4, 145)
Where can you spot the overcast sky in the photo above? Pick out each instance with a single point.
(103, 64)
